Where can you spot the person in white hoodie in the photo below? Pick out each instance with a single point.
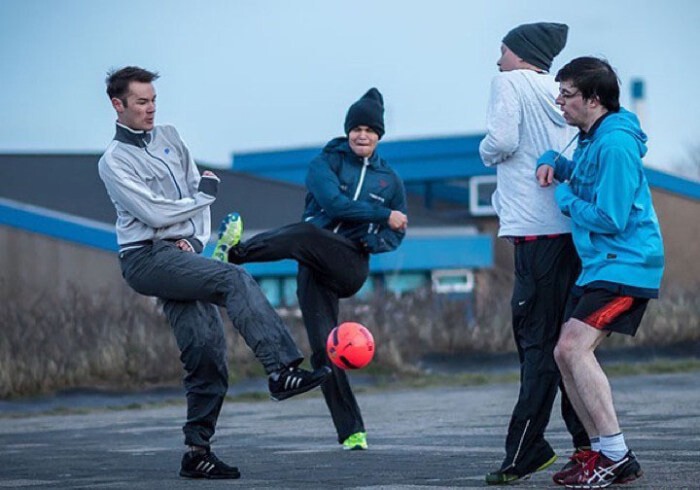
(523, 120)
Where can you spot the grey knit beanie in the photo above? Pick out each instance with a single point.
(537, 43)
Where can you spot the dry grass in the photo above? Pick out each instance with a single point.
(115, 339)
(119, 339)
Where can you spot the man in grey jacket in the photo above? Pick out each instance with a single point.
(522, 121)
(163, 223)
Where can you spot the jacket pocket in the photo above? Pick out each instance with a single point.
(584, 244)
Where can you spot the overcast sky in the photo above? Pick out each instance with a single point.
(251, 75)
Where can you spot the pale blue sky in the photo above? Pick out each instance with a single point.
(247, 75)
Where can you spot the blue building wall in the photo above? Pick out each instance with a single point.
(429, 166)
(417, 161)
(397, 271)
(416, 253)
(58, 225)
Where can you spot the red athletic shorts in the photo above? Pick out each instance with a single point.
(605, 310)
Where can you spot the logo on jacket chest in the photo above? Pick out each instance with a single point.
(376, 197)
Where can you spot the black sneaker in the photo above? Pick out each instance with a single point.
(200, 464)
(502, 477)
(292, 381)
(629, 472)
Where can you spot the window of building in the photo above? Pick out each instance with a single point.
(400, 283)
(452, 281)
(481, 189)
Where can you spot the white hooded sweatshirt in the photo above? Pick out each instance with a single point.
(523, 122)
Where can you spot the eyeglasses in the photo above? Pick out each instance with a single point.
(568, 95)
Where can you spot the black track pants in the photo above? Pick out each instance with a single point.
(330, 267)
(545, 270)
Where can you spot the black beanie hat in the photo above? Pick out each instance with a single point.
(368, 111)
(538, 43)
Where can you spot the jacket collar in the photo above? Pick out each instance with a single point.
(342, 146)
(374, 159)
(132, 137)
(591, 132)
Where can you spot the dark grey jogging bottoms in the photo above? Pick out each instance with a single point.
(191, 287)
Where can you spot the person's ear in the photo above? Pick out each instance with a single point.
(593, 101)
(118, 104)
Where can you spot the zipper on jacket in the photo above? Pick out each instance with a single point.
(179, 191)
(172, 176)
(365, 164)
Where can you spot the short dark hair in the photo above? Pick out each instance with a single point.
(118, 80)
(594, 77)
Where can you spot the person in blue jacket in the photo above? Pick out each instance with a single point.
(355, 206)
(604, 191)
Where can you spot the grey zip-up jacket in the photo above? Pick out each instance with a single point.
(156, 188)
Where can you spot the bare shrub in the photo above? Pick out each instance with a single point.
(408, 326)
(117, 339)
(120, 339)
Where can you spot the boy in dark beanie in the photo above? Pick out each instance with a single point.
(355, 206)
(523, 121)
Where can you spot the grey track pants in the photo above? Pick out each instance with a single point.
(191, 286)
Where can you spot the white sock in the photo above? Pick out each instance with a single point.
(595, 444)
(613, 446)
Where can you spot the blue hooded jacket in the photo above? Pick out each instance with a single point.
(605, 192)
(354, 196)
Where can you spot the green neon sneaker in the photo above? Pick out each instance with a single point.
(356, 442)
(230, 232)
(502, 477)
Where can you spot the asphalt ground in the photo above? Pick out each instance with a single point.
(436, 437)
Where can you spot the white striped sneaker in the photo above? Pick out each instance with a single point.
(292, 381)
(204, 464)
